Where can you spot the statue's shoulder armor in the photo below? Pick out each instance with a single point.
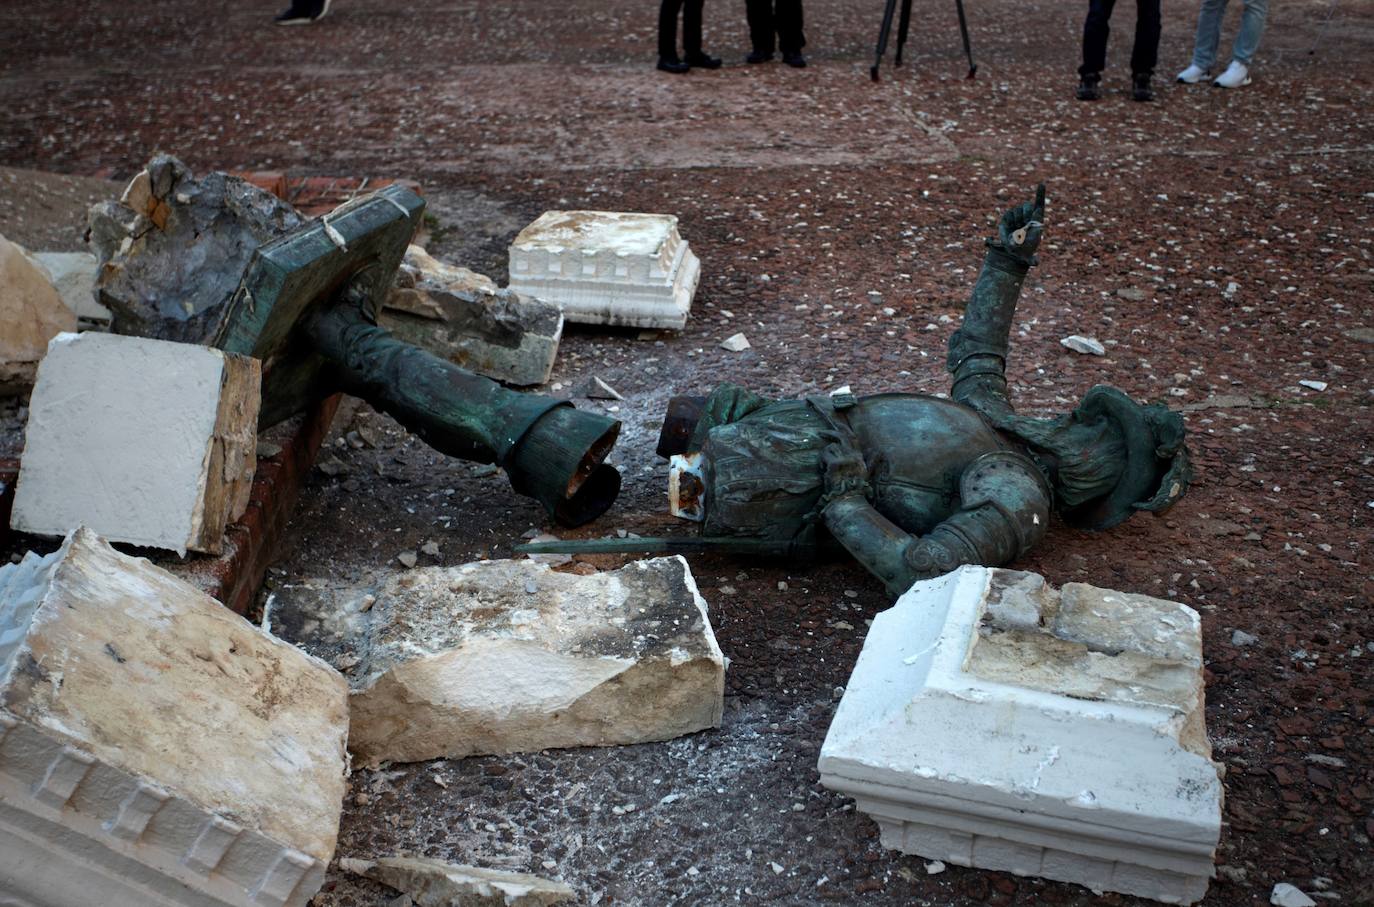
(1011, 482)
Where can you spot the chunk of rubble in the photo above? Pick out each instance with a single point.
(155, 748)
(144, 441)
(994, 722)
(172, 250)
(605, 267)
(462, 316)
(510, 656)
(434, 883)
(735, 343)
(1089, 346)
(31, 314)
(73, 276)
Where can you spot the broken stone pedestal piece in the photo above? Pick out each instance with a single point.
(31, 313)
(172, 250)
(434, 883)
(462, 316)
(156, 749)
(604, 267)
(994, 722)
(145, 441)
(511, 656)
(73, 276)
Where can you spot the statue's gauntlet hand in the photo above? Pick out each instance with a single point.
(844, 471)
(1020, 230)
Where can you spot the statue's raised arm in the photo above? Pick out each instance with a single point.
(978, 350)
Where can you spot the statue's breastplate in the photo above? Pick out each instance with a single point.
(916, 448)
(763, 473)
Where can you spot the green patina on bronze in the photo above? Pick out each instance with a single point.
(307, 308)
(912, 485)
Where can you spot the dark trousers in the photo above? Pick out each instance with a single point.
(782, 18)
(691, 28)
(1144, 54)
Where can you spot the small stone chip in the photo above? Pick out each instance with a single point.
(735, 343)
(407, 558)
(1086, 345)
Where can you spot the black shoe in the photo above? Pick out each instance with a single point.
(759, 56)
(309, 11)
(1140, 87)
(703, 61)
(674, 65)
(1090, 88)
(796, 61)
(295, 16)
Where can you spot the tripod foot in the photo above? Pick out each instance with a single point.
(873, 72)
(972, 71)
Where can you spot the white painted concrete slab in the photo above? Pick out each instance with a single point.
(155, 748)
(607, 267)
(993, 722)
(144, 441)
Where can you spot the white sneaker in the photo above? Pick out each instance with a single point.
(1235, 76)
(1192, 75)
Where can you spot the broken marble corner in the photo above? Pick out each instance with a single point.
(434, 883)
(156, 749)
(605, 267)
(463, 317)
(31, 314)
(510, 656)
(993, 722)
(145, 441)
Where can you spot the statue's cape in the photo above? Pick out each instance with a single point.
(1157, 469)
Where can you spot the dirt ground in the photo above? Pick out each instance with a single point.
(1218, 243)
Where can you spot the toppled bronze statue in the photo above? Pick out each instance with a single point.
(913, 485)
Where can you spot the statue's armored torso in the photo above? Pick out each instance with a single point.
(763, 476)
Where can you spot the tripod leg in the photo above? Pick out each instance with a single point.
(882, 37)
(902, 27)
(963, 31)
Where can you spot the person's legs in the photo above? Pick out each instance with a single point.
(1145, 51)
(760, 16)
(1251, 30)
(691, 29)
(789, 24)
(1208, 33)
(1095, 33)
(667, 29)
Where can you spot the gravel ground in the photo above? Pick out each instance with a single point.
(1218, 244)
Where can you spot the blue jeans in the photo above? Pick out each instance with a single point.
(1209, 32)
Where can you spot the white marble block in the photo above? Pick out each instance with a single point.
(992, 721)
(606, 267)
(145, 441)
(156, 748)
(511, 656)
